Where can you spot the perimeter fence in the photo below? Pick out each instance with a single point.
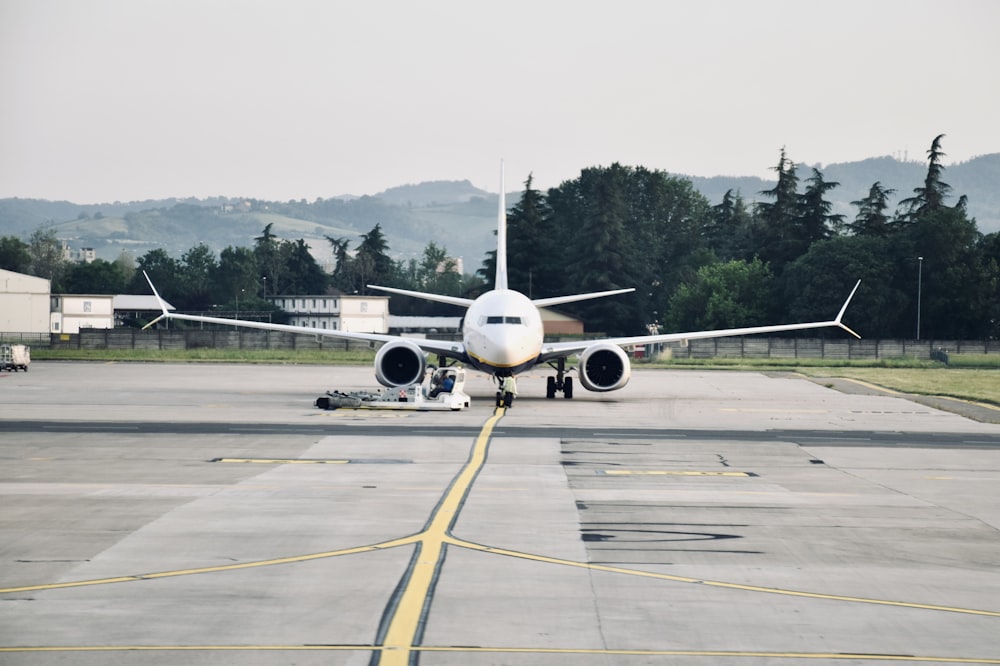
(734, 347)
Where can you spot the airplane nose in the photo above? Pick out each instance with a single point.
(510, 344)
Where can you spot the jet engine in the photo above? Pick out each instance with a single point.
(604, 367)
(400, 363)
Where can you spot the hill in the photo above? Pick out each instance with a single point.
(978, 179)
(453, 214)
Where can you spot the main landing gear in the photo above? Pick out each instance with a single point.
(560, 382)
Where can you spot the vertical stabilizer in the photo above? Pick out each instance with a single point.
(501, 277)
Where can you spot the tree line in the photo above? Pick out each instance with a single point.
(695, 266)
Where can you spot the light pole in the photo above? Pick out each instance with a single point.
(920, 280)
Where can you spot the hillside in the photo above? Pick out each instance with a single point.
(453, 214)
(978, 179)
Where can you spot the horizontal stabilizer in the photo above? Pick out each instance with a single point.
(557, 300)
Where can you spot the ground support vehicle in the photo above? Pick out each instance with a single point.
(15, 357)
(415, 397)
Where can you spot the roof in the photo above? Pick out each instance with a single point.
(138, 303)
(400, 321)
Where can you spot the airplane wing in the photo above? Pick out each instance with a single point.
(556, 350)
(439, 298)
(446, 348)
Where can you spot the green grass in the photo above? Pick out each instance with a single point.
(977, 385)
(974, 377)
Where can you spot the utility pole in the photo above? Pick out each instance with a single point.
(920, 280)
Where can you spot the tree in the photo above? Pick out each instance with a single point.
(96, 277)
(14, 254)
(816, 222)
(304, 275)
(989, 250)
(954, 292)
(931, 196)
(872, 219)
(531, 245)
(341, 277)
(47, 259)
(626, 227)
(776, 239)
(944, 245)
(164, 271)
(372, 263)
(602, 249)
(722, 295)
(438, 273)
(198, 269)
(237, 278)
(815, 285)
(271, 259)
(728, 232)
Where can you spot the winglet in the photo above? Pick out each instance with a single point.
(840, 315)
(163, 304)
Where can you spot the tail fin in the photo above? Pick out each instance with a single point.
(501, 260)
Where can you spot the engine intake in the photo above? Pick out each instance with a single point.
(604, 367)
(400, 363)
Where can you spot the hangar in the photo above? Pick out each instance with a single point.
(24, 303)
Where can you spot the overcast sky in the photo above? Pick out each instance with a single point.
(106, 100)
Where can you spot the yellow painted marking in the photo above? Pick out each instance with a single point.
(403, 626)
(714, 583)
(664, 472)
(404, 623)
(283, 461)
(216, 569)
(860, 656)
(874, 387)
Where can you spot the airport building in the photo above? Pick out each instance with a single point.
(71, 312)
(339, 312)
(24, 303)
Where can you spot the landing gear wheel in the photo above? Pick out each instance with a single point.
(568, 388)
(550, 387)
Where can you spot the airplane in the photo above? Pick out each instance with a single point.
(502, 335)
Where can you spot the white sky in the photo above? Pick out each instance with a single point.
(104, 100)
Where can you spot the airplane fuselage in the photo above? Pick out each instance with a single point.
(502, 332)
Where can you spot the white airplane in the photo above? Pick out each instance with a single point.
(502, 335)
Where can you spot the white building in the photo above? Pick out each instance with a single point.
(71, 312)
(357, 314)
(24, 303)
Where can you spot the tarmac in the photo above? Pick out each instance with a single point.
(210, 514)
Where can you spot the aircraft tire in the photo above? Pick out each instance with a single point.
(568, 388)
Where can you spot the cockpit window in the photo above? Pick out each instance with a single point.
(496, 319)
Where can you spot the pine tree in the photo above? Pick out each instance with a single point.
(872, 219)
(931, 196)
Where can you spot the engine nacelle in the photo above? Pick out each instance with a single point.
(604, 367)
(400, 363)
